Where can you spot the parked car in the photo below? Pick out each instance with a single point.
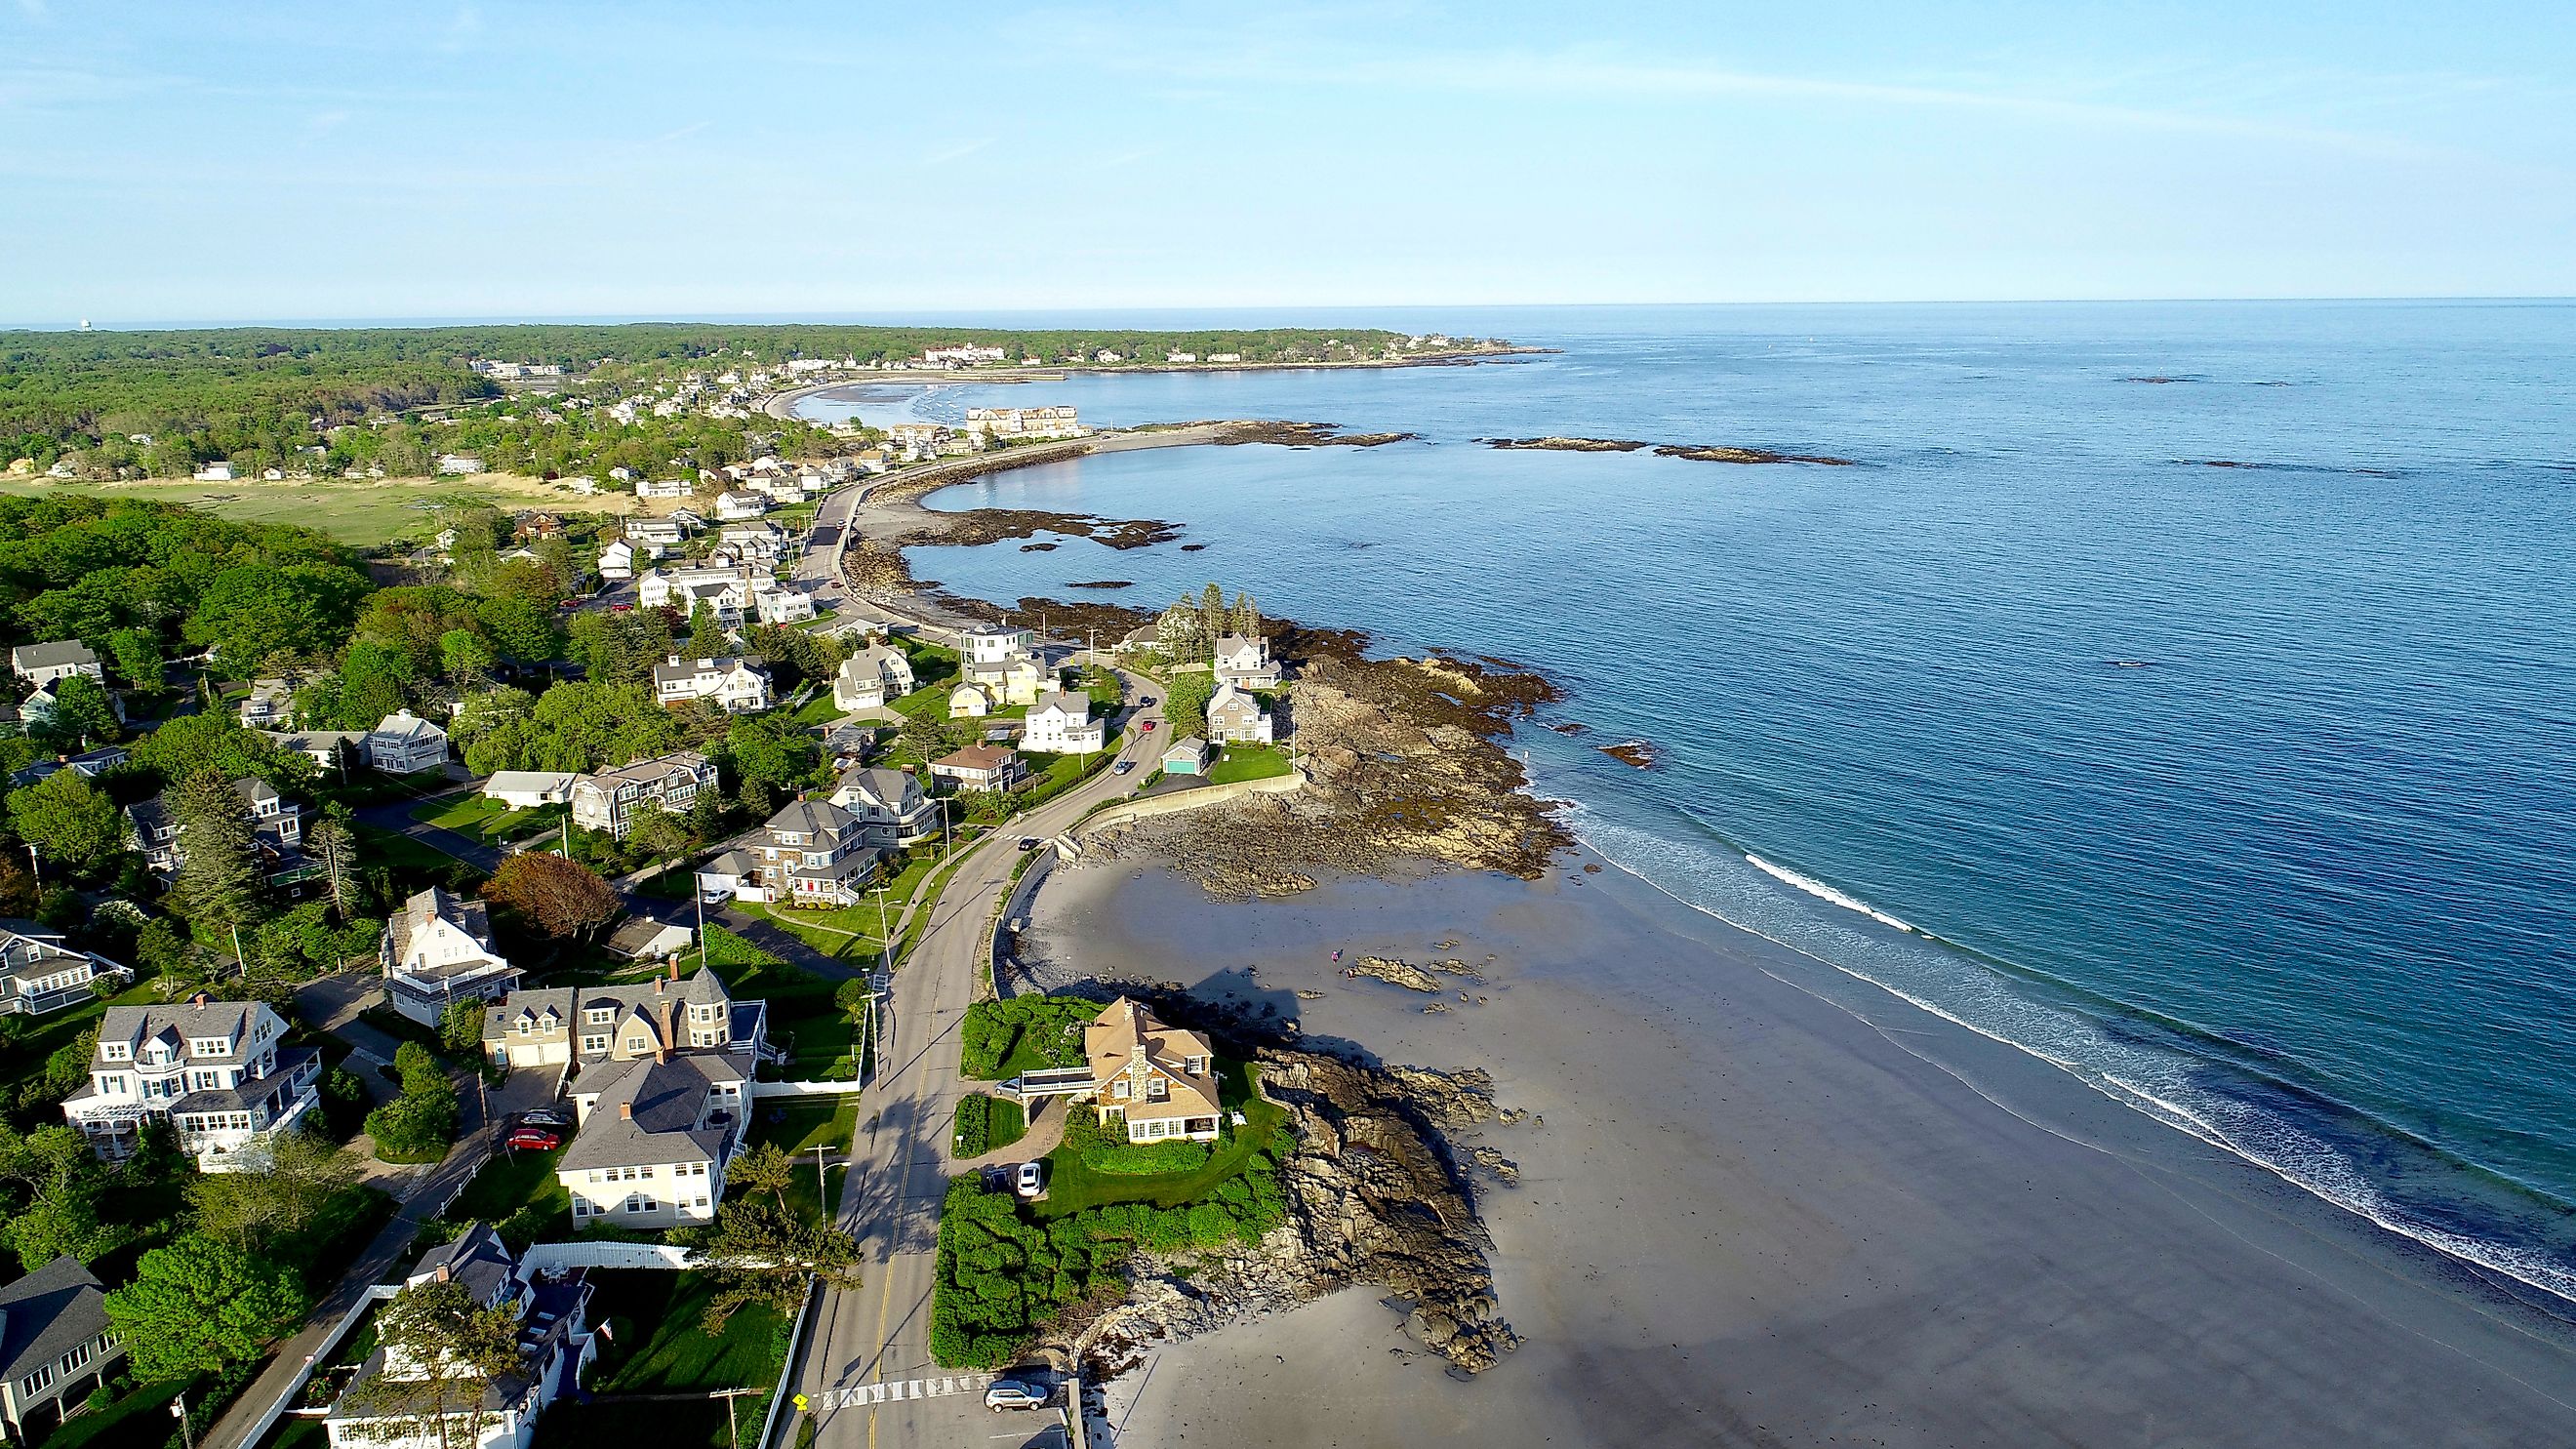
(545, 1117)
(1029, 1181)
(1148, 726)
(1003, 1394)
(1122, 767)
(535, 1139)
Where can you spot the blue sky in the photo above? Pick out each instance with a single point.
(193, 162)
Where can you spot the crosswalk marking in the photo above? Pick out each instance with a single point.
(852, 1396)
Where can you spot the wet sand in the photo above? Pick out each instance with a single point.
(1762, 1203)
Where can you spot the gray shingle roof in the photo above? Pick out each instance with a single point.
(48, 1313)
(667, 1099)
(52, 655)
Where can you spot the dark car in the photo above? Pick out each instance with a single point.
(545, 1117)
(1122, 767)
(535, 1139)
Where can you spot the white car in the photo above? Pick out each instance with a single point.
(1029, 1181)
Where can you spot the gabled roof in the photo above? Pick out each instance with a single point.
(1110, 1043)
(810, 817)
(528, 781)
(880, 785)
(1064, 700)
(403, 724)
(704, 989)
(477, 1258)
(52, 655)
(48, 1313)
(977, 757)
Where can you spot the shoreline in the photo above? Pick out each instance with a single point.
(1750, 1184)
(782, 405)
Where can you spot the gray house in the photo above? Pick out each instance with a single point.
(54, 1345)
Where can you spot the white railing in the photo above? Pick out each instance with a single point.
(806, 1089)
(375, 1294)
(658, 1257)
(787, 1370)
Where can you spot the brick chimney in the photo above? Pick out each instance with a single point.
(439, 1272)
(625, 1111)
(664, 1054)
(675, 968)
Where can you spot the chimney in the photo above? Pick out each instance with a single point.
(664, 1054)
(675, 968)
(200, 1000)
(439, 1272)
(625, 1111)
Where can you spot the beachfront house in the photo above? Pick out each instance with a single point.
(609, 799)
(45, 664)
(1159, 1082)
(437, 951)
(1236, 718)
(220, 1072)
(1244, 662)
(888, 806)
(392, 1402)
(55, 1347)
(1061, 724)
(736, 686)
(404, 744)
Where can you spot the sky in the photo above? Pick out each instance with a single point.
(190, 162)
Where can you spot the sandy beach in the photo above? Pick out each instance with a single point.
(1764, 1203)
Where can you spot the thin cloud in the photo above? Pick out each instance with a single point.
(957, 152)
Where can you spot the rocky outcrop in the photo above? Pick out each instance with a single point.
(1698, 453)
(1400, 765)
(1374, 1199)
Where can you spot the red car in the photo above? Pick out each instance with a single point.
(535, 1139)
(1147, 727)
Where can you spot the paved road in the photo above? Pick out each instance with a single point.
(395, 817)
(880, 1334)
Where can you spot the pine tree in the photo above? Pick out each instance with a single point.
(335, 848)
(706, 635)
(218, 885)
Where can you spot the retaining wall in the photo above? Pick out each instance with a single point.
(1173, 804)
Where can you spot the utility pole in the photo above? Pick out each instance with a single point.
(179, 1411)
(33, 865)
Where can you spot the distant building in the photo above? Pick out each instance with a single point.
(665, 488)
(617, 561)
(1014, 423)
(437, 951)
(529, 789)
(1180, 357)
(215, 472)
(783, 606)
(41, 972)
(460, 464)
(270, 704)
(735, 505)
(964, 355)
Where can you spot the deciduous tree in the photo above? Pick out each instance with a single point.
(71, 822)
(555, 896)
(252, 1207)
(201, 1304)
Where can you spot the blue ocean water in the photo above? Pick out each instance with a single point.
(2243, 792)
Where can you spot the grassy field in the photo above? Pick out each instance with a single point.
(846, 934)
(363, 513)
(484, 818)
(820, 1044)
(413, 864)
(1073, 1186)
(798, 1126)
(1248, 762)
(517, 1193)
(658, 1343)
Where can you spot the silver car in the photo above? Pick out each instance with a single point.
(1003, 1394)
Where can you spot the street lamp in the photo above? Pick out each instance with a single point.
(179, 1411)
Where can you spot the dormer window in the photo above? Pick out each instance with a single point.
(114, 1051)
(599, 1015)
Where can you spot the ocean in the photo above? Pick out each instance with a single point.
(2184, 693)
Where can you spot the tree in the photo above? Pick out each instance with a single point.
(81, 714)
(555, 896)
(464, 655)
(17, 888)
(333, 845)
(72, 823)
(1185, 698)
(250, 1208)
(249, 613)
(460, 1027)
(523, 629)
(55, 1180)
(375, 680)
(442, 1348)
(138, 659)
(420, 1123)
(706, 633)
(216, 740)
(656, 831)
(763, 1168)
(761, 1253)
(219, 882)
(199, 1305)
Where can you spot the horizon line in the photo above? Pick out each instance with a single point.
(903, 316)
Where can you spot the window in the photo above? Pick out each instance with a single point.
(211, 1046)
(114, 1051)
(592, 1045)
(1118, 1089)
(599, 1015)
(35, 1382)
(523, 1026)
(638, 1044)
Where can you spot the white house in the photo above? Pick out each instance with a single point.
(1061, 724)
(528, 789)
(655, 535)
(880, 669)
(991, 643)
(460, 464)
(437, 951)
(1236, 718)
(1244, 662)
(553, 1346)
(44, 664)
(617, 561)
(727, 591)
(219, 1071)
(665, 488)
(218, 471)
(734, 505)
(40, 972)
(270, 704)
(738, 686)
(664, 1103)
(783, 605)
(978, 767)
(405, 744)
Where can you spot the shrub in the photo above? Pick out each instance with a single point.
(1001, 1037)
(974, 1125)
(1142, 1159)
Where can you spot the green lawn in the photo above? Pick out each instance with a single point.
(846, 934)
(484, 818)
(413, 864)
(1073, 1186)
(361, 513)
(800, 1124)
(517, 1193)
(1248, 762)
(658, 1344)
(820, 710)
(22, 1065)
(820, 1045)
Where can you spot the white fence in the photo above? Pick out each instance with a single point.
(551, 1256)
(787, 1370)
(374, 1295)
(806, 1089)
